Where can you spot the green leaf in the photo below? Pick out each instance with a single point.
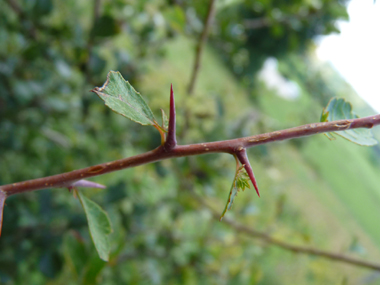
(99, 225)
(339, 109)
(240, 183)
(123, 99)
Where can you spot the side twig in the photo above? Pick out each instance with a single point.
(290, 247)
(199, 49)
(301, 249)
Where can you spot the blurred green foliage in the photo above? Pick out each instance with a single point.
(53, 52)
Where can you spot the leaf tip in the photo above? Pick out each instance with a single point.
(95, 90)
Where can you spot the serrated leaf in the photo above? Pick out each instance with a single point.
(339, 109)
(123, 99)
(2, 203)
(99, 226)
(239, 183)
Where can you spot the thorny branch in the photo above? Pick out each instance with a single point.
(233, 146)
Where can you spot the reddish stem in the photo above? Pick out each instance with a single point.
(227, 146)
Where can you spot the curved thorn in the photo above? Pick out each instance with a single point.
(87, 184)
(3, 196)
(171, 140)
(243, 158)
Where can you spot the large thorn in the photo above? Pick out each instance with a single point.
(243, 158)
(3, 196)
(171, 140)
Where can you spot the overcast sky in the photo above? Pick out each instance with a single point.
(355, 53)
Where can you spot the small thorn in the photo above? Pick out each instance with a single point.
(243, 158)
(3, 196)
(87, 184)
(171, 140)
